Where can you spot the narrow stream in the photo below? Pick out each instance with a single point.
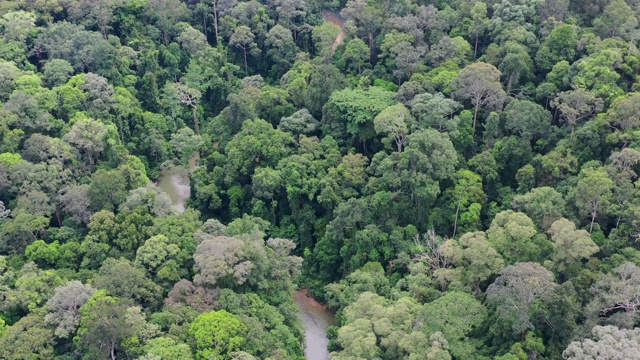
(316, 319)
(334, 17)
(314, 316)
(177, 187)
(176, 184)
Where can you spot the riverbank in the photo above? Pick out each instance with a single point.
(334, 17)
(316, 319)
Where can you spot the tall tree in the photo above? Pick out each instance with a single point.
(394, 121)
(217, 334)
(103, 327)
(244, 39)
(95, 12)
(480, 83)
(190, 97)
(616, 297)
(64, 307)
(576, 105)
(614, 342)
(570, 246)
(167, 13)
(593, 193)
(517, 291)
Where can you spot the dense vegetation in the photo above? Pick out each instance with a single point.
(456, 179)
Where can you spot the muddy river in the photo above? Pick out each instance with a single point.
(316, 319)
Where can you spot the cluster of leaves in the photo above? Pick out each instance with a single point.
(460, 178)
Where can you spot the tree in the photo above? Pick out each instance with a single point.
(616, 20)
(167, 13)
(557, 9)
(221, 259)
(107, 190)
(570, 246)
(515, 293)
(516, 238)
(466, 193)
(593, 193)
(480, 83)
(300, 122)
(167, 348)
(150, 196)
(258, 144)
(103, 327)
(122, 279)
(220, 8)
(479, 24)
(407, 59)
(32, 288)
(597, 73)
(75, 201)
(616, 297)
(576, 105)
(449, 50)
(608, 341)
(82, 49)
(244, 39)
(353, 111)
(356, 54)
(29, 339)
(29, 115)
(185, 143)
(89, 136)
(473, 257)
(516, 65)
(394, 121)
(282, 49)
(17, 25)
(95, 12)
(324, 36)
(455, 315)
(559, 45)
(544, 205)
(527, 119)
(190, 97)
(194, 42)
(437, 111)
(64, 307)
(217, 334)
(155, 252)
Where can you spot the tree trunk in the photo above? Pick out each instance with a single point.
(593, 219)
(399, 144)
(195, 119)
(510, 83)
(113, 352)
(572, 128)
(204, 25)
(215, 20)
(244, 52)
(58, 216)
(455, 222)
(475, 115)
(475, 51)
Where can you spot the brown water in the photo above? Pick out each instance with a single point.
(177, 187)
(334, 17)
(176, 184)
(316, 319)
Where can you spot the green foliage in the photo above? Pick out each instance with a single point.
(324, 151)
(217, 334)
(353, 111)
